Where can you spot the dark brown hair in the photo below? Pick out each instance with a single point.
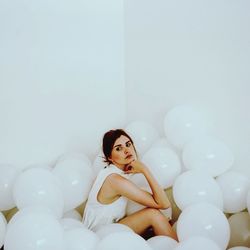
(108, 142)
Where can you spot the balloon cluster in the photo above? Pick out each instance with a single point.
(42, 206)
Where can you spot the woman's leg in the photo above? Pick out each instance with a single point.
(149, 217)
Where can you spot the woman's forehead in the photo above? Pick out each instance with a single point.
(121, 140)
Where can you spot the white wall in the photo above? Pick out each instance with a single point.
(191, 52)
(61, 77)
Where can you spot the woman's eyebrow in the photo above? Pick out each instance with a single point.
(118, 145)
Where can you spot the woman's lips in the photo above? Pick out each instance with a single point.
(128, 156)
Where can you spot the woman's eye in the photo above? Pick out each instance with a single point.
(118, 148)
(128, 144)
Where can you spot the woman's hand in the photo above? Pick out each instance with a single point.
(134, 167)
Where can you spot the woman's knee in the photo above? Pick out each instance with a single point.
(154, 214)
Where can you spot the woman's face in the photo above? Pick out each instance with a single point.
(123, 152)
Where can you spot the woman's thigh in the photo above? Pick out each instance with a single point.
(141, 220)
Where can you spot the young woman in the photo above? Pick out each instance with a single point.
(108, 197)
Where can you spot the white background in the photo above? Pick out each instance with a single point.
(69, 71)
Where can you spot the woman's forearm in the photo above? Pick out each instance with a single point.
(158, 193)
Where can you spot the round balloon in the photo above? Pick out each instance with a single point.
(234, 187)
(197, 243)
(240, 229)
(194, 186)
(76, 176)
(80, 238)
(105, 230)
(99, 163)
(38, 186)
(74, 214)
(206, 220)
(208, 154)
(70, 223)
(164, 165)
(7, 179)
(161, 242)
(143, 135)
(123, 241)
(183, 123)
(34, 231)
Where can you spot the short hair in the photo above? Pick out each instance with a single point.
(108, 142)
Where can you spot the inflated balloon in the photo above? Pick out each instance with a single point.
(69, 223)
(80, 238)
(193, 186)
(205, 220)
(76, 177)
(143, 135)
(240, 229)
(208, 154)
(34, 230)
(7, 179)
(98, 163)
(164, 165)
(3, 225)
(105, 230)
(175, 209)
(197, 243)
(234, 187)
(182, 124)
(161, 242)
(74, 214)
(38, 186)
(123, 241)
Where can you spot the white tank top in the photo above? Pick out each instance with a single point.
(96, 213)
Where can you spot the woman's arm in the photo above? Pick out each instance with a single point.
(122, 186)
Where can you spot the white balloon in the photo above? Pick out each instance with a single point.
(164, 165)
(34, 231)
(239, 248)
(208, 154)
(206, 220)
(197, 243)
(183, 123)
(123, 241)
(3, 225)
(79, 239)
(143, 134)
(99, 163)
(8, 177)
(194, 186)
(234, 187)
(161, 242)
(74, 214)
(70, 223)
(38, 186)
(35, 209)
(105, 230)
(76, 176)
